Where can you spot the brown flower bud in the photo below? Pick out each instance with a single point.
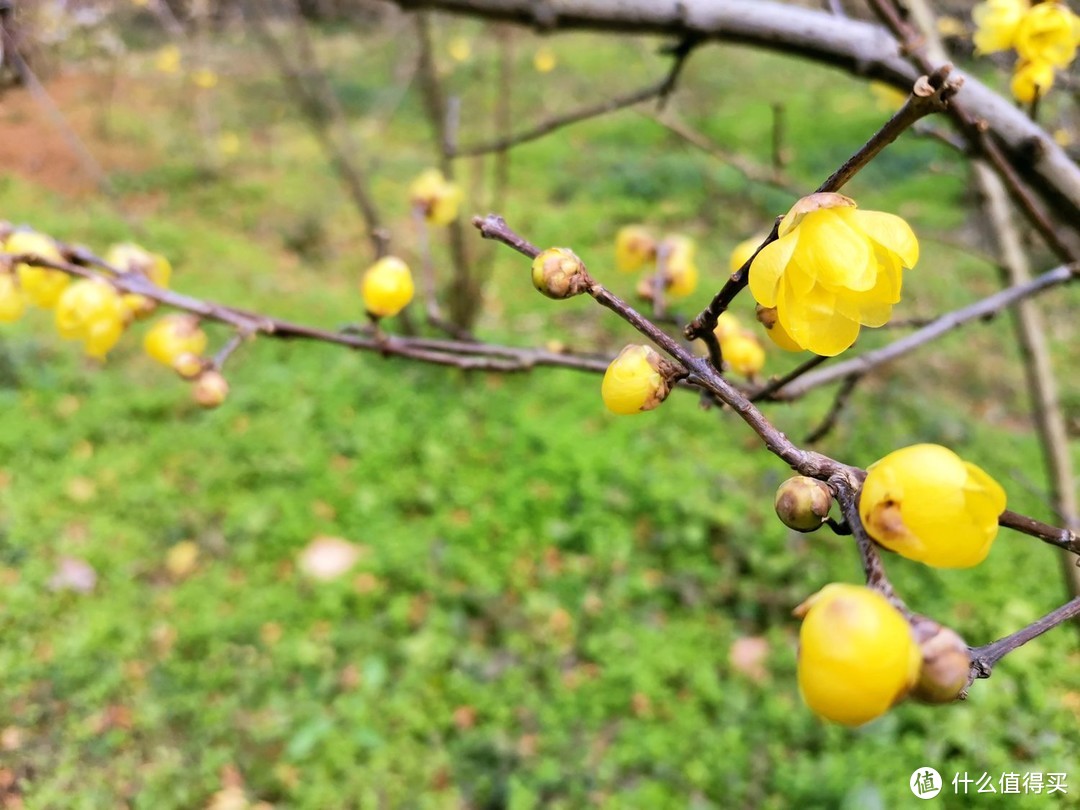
(803, 503)
(946, 663)
(211, 389)
(559, 273)
(189, 366)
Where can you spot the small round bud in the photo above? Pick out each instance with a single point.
(211, 389)
(189, 366)
(559, 273)
(803, 503)
(946, 663)
(387, 287)
(857, 654)
(743, 354)
(637, 380)
(173, 335)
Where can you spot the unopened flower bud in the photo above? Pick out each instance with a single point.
(559, 273)
(189, 366)
(946, 663)
(211, 389)
(803, 503)
(637, 380)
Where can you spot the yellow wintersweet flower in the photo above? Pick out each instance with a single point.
(1031, 80)
(544, 59)
(436, 196)
(996, 22)
(927, 504)
(768, 318)
(834, 269)
(12, 302)
(174, 335)
(634, 248)
(168, 59)
(229, 143)
(204, 78)
(857, 655)
(680, 270)
(91, 311)
(743, 354)
(40, 284)
(635, 381)
(1049, 32)
(460, 49)
(387, 287)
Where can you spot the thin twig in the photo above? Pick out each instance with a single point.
(775, 385)
(985, 657)
(840, 400)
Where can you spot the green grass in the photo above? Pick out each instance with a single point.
(548, 598)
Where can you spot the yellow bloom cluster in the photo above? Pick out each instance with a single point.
(834, 269)
(91, 311)
(636, 248)
(1045, 36)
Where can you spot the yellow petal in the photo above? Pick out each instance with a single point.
(888, 230)
(813, 321)
(769, 266)
(834, 253)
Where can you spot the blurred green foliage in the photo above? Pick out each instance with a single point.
(546, 605)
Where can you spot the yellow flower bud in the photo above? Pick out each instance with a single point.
(1031, 80)
(12, 302)
(637, 380)
(168, 59)
(387, 287)
(437, 197)
(833, 270)
(460, 49)
(927, 504)
(39, 284)
(189, 366)
(174, 335)
(996, 22)
(945, 671)
(211, 389)
(634, 248)
(131, 258)
(1049, 32)
(559, 273)
(90, 311)
(544, 59)
(857, 655)
(803, 503)
(743, 354)
(726, 326)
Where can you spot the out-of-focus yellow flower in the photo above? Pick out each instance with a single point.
(168, 59)
(90, 311)
(743, 354)
(951, 27)
(887, 97)
(1064, 137)
(634, 248)
(726, 325)
(174, 335)
(1031, 80)
(680, 270)
(39, 284)
(635, 381)
(229, 144)
(387, 287)
(857, 655)
(436, 196)
(833, 269)
(544, 59)
(1049, 32)
(128, 257)
(204, 78)
(743, 251)
(460, 49)
(996, 22)
(12, 303)
(927, 504)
